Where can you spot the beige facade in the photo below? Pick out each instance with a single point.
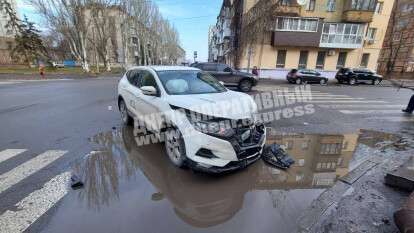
(363, 22)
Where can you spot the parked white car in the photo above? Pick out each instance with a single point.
(204, 125)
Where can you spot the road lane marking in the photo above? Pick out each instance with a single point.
(345, 101)
(370, 111)
(28, 168)
(35, 205)
(363, 106)
(10, 153)
(327, 98)
(394, 119)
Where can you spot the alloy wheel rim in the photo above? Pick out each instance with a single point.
(173, 149)
(298, 81)
(123, 112)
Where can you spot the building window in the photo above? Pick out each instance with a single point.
(363, 5)
(320, 61)
(379, 7)
(286, 2)
(134, 40)
(331, 5)
(331, 149)
(341, 60)
(365, 60)
(281, 59)
(311, 5)
(371, 34)
(297, 24)
(397, 36)
(342, 33)
(407, 7)
(303, 59)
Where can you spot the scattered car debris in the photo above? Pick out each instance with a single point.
(76, 182)
(276, 156)
(402, 177)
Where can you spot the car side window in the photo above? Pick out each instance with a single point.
(210, 67)
(133, 77)
(223, 68)
(147, 79)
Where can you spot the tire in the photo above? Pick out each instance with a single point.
(175, 147)
(245, 85)
(323, 82)
(352, 81)
(125, 117)
(375, 82)
(298, 81)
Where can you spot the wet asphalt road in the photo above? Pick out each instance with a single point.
(74, 125)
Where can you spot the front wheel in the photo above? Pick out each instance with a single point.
(298, 81)
(125, 117)
(175, 147)
(245, 86)
(323, 82)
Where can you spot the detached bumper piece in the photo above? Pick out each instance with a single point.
(276, 156)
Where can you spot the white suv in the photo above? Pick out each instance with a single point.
(204, 125)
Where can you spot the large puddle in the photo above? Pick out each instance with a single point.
(130, 188)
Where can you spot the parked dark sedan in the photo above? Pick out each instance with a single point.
(230, 77)
(306, 76)
(354, 76)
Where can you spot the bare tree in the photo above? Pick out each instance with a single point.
(67, 17)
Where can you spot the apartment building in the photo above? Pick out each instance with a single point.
(314, 34)
(397, 56)
(221, 34)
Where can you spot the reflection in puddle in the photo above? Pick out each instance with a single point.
(122, 171)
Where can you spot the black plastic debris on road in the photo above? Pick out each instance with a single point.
(76, 182)
(276, 156)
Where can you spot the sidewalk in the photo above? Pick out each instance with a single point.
(14, 77)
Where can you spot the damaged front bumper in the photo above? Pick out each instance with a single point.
(248, 152)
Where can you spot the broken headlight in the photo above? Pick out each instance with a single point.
(214, 126)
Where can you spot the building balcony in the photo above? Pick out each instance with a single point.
(359, 11)
(342, 35)
(275, 7)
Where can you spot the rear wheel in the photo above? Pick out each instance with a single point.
(245, 85)
(298, 81)
(125, 117)
(323, 82)
(175, 147)
(376, 82)
(352, 81)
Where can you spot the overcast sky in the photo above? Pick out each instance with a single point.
(192, 19)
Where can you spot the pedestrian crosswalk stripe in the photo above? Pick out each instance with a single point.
(326, 98)
(345, 101)
(393, 118)
(10, 153)
(28, 168)
(370, 111)
(362, 106)
(34, 205)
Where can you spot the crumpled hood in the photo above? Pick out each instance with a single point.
(229, 104)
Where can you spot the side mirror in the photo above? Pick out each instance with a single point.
(149, 90)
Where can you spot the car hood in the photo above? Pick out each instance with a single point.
(229, 104)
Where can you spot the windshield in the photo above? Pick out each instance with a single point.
(189, 82)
